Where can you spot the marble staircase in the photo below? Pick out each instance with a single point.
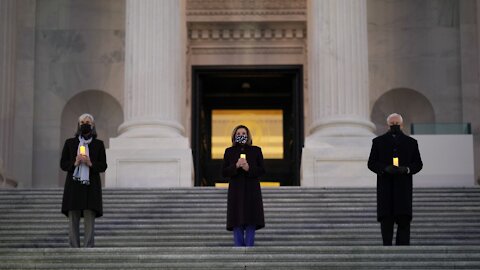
(184, 228)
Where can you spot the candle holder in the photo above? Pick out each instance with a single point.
(83, 151)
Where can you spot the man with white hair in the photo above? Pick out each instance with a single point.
(394, 158)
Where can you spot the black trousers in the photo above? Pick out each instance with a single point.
(403, 230)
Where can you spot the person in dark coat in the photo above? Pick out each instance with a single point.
(83, 158)
(394, 179)
(243, 165)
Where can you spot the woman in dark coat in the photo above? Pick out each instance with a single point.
(243, 165)
(83, 158)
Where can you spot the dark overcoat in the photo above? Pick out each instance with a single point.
(244, 204)
(394, 191)
(77, 196)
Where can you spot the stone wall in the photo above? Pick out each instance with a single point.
(79, 46)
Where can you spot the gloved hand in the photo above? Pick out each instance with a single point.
(402, 170)
(391, 169)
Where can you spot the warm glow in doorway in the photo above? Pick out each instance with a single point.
(266, 127)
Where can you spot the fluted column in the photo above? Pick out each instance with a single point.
(337, 147)
(7, 83)
(154, 69)
(152, 150)
(338, 68)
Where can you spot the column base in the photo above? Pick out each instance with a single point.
(346, 126)
(149, 162)
(337, 162)
(6, 182)
(148, 128)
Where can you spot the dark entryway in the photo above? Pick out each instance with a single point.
(269, 96)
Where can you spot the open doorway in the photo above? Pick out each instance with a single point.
(267, 99)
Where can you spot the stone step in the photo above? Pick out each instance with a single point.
(430, 257)
(281, 193)
(325, 217)
(264, 238)
(218, 229)
(290, 203)
(267, 189)
(446, 221)
(281, 197)
(155, 225)
(205, 194)
(354, 212)
(227, 240)
(63, 243)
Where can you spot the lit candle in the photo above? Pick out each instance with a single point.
(82, 150)
(395, 161)
(244, 156)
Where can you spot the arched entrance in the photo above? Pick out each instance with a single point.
(107, 112)
(412, 105)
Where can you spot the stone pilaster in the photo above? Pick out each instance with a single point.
(336, 148)
(152, 150)
(7, 87)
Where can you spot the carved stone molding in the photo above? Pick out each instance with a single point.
(248, 50)
(245, 4)
(246, 10)
(256, 32)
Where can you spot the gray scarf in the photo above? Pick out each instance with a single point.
(82, 171)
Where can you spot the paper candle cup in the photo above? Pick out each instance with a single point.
(395, 161)
(82, 150)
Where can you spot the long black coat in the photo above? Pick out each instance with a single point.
(245, 204)
(394, 192)
(77, 196)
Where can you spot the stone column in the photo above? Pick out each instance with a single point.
(339, 137)
(152, 150)
(7, 88)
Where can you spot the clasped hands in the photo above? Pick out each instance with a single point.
(82, 159)
(242, 163)
(391, 169)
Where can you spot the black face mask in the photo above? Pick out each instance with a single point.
(395, 129)
(85, 128)
(241, 139)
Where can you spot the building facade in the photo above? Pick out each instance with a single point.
(157, 75)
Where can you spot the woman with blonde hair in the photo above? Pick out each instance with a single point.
(83, 158)
(243, 165)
